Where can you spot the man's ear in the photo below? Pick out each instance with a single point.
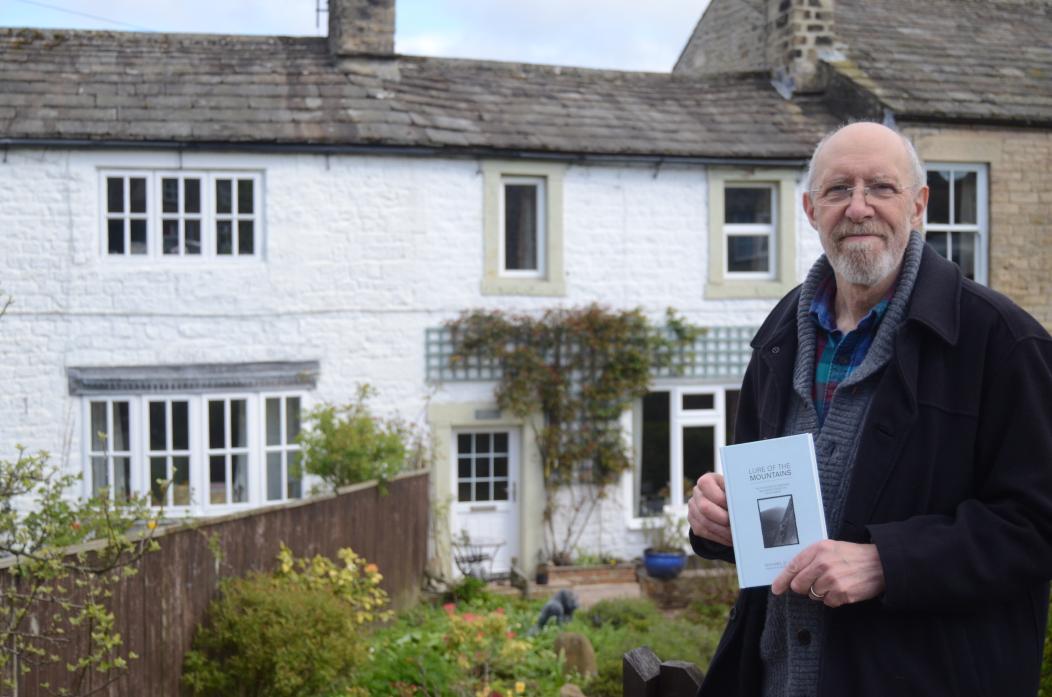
(919, 203)
(809, 209)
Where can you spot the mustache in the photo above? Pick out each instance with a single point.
(846, 229)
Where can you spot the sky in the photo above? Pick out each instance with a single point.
(617, 34)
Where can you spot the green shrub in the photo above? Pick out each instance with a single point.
(638, 614)
(1045, 686)
(293, 633)
(347, 444)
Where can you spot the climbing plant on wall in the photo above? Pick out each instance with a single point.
(579, 369)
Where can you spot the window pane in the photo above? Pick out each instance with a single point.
(98, 426)
(217, 479)
(223, 196)
(245, 237)
(939, 241)
(273, 419)
(181, 481)
(244, 196)
(292, 416)
(654, 458)
(239, 475)
(699, 455)
(115, 236)
(964, 253)
(170, 195)
(500, 491)
(500, 442)
(965, 197)
(170, 236)
(216, 426)
(121, 414)
(137, 194)
(294, 488)
(122, 477)
(138, 237)
(464, 443)
(747, 205)
(224, 237)
(481, 442)
(238, 424)
(100, 477)
(157, 426)
(500, 467)
(115, 194)
(748, 253)
(520, 227)
(464, 468)
(482, 492)
(731, 402)
(482, 467)
(274, 476)
(699, 401)
(193, 236)
(181, 425)
(158, 474)
(192, 195)
(464, 492)
(938, 197)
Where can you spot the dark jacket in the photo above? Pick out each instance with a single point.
(952, 482)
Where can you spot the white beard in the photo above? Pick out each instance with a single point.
(859, 264)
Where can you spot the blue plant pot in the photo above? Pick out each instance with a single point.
(663, 565)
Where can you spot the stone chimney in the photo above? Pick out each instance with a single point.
(361, 27)
(799, 33)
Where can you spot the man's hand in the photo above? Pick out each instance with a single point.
(707, 510)
(840, 572)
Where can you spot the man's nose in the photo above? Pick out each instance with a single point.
(858, 207)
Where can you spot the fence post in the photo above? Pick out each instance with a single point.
(680, 679)
(641, 673)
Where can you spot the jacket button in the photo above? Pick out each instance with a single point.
(776, 350)
(804, 637)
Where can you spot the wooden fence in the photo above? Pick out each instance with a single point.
(644, 675)
(159, 608)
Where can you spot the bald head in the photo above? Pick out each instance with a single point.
(855, 136)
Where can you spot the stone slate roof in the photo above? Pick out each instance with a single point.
(214, 89)
(973, 60)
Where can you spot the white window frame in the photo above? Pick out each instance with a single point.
(200, 450)
(229, 451)
(541, 184)
(679, 418)
(769, 230)
(209, 216)
(980, 228)
(549, 279)
(169, 452)
(781, 278)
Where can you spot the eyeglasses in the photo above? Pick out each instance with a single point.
(839, 194)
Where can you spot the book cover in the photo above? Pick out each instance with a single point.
(775, 504)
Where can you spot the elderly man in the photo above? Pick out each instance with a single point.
(929, 398)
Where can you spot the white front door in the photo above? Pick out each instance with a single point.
(485, 500)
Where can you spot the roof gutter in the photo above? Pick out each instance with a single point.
(399, 151)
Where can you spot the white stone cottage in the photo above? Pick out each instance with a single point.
(204, 235)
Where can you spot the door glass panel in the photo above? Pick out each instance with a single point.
(500, 467)
(482, 491)
(698, 401)
(464, 468)
(655, 454)
(464, 491)
(481, 442)
(464, 443)
(699, 455)
(500, 490)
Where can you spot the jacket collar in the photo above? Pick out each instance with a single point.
(935, 303)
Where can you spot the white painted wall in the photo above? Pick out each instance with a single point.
(362, 254)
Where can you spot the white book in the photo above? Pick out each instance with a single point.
(775, 503)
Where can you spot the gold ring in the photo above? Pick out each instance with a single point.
(813, 595)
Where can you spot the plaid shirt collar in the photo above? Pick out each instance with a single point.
(838, 354)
